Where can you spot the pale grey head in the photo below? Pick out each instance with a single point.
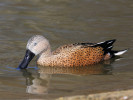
(36, 45)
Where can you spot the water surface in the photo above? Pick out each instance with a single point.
(64, 22)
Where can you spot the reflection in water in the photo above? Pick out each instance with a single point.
(93, 69)
(40, 83)
(34, 83)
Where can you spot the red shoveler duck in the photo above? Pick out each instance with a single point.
(71, 55)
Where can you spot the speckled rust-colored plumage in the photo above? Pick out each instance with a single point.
(77, 54)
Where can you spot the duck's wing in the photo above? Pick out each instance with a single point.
(72, 46)
(106, 45)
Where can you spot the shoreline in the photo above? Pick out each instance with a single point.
(115, 95)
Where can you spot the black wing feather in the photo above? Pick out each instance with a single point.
(106, 45)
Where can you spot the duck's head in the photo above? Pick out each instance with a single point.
(36, 45)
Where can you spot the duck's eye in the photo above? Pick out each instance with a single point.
(35, 44)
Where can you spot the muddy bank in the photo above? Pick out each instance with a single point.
(116, 95)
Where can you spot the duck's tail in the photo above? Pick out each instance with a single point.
(107, 48)
(120, 52)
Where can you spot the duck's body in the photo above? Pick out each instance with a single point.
(73, 55)
(78, 54)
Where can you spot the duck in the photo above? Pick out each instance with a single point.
(70, 55)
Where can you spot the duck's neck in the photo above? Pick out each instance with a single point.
(46, 53)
